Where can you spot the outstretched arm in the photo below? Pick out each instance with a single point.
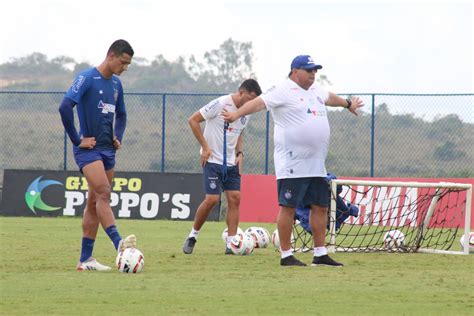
(354, 104)
(249, 107)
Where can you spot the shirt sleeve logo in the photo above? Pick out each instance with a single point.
(76, 85)
(211, 106)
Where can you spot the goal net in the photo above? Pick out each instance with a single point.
(396, 217)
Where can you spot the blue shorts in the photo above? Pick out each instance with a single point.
(212, 179)
(295, 192)
(84, 157)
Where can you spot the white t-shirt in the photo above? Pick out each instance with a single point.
(214, 129)
(301, 134)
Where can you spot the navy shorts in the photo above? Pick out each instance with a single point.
(295, 192)
(84, 157)
(212, 179)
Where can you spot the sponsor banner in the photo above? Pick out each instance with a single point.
(259, 202)
(137, 195)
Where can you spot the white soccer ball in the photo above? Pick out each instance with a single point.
(393, 239)
(471, 242)
(276, 239)
(260, 236)
(131, 260)
(241, 244)
(225, 234)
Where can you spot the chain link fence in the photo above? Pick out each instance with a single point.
(394, 135)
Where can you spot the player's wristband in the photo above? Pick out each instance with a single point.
(349, 103)
(239, 153)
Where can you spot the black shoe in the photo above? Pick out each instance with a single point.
(325, 260)
(228, 251)
(189, 245)
(291, 261)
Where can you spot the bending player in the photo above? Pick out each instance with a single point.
(343, 210)
(98, 94)
(220, 162)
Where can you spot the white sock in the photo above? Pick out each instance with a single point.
(320, 251)
(194, 233)
(228, 239)
(286, 253)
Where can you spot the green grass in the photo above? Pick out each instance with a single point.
(38, 276)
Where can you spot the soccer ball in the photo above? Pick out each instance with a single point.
(260, 235)
(393, 239)
(242, 244)
(471, 242)
(130, 260)
(225, 234)
(276, 239)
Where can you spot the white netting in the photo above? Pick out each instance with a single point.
(395, 217)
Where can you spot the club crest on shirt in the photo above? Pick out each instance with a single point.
(106, 107)
(76, 85)
(243, 120)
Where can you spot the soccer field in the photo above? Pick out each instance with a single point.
(38, 277)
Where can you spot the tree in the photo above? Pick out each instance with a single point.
(226, 66)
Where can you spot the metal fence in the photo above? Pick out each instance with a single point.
(395, 135)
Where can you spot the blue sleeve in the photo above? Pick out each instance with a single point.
(120, 116)
(79, 86)
(340, 205)
(67, 117)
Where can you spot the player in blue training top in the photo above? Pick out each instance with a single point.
(98, 94)
(343, 210)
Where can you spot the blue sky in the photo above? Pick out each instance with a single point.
(364, 46)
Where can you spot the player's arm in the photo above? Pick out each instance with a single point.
(239, 155)
(120, 122)
(249, 107)
(351, 104)
(194, 122)
(67, 117)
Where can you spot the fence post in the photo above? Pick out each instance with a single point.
(163, 133)
(267, 140)
(372, 139)
(65, 151)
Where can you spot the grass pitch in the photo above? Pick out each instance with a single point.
(38, 276)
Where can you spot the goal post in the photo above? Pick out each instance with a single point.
(431, 216)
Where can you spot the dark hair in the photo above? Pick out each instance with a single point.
(251, 85)
(119, 47)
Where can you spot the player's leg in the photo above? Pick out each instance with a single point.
(285, 221)
(203, 211)
(233, 212)
(213, 188)
(100, 183)
(232, 189)
(318, 197)
(318, 221)
(289, 193)
(90, 226)
(120, 244)
(90, 219)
